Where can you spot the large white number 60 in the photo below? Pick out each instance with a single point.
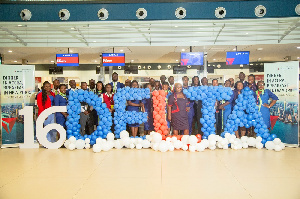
(41, 132)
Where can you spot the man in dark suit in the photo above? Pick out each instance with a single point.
(72, 84)
(115, 84)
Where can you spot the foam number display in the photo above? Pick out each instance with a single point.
(159, 112)
(74, 109)
(246, 114)
(41, 131)
(121, 116)
(208, 95)
(27, 111)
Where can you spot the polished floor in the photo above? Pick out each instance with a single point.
(141, 174)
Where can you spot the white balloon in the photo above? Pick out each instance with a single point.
(192, 148)
(193, 140)
(72, 139)
(131, 146)
(258, 139)
(282, 146)
(118, 144)
(225, 146)
(212, 147)
(110, 144)
(87, 146)
(156, 138)
(139, 146)
(106, 146)
(227, 136)
(87, 140)
(277, 147)
(126, 142)
(110, 137)
(205, 142)
(259, 145)
(171, 148)
(155, 146)
(132, 141)
(178, 144)
(148, 138)
(72, 146)
(231, 140)
(184, 147)
(80, 144)
(124, 134)
(67, 143)
(173, 139)
(168, 139)
(98, 140)
(219, 145)
(145, 144)
(252, 141)
(97, 148)
(244, 138)
(245, 145)
(212, 137)
(277, 141)
(212, 143)
(185, 139)
(163, 146)
(270, 145)
(200, 147)
(139, 140)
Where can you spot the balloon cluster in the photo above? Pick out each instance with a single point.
(276, 145)
(121, 116)
(74, 109)
(159, 112)
(246, 114)
(208, 95)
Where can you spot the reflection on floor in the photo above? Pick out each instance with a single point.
(126, 173)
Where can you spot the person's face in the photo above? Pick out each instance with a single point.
(84, 86)
(47, 87)
(108, 88)
(231, 82)
(135, 85)
(178, 88)
(239, 86)
(165, 87)
(149, 86)
(215, 83)
(196, 80)
(63, 89)
(92, 84)
(156, 85)
(127, 82)
(185, 81)
(152, 82)
(251, 79)
(242, 76)
(261, 85)
(72, 84)
(163, 78)
(204, 81)
(227, 84)
(171, 80)
(115, 77)
(56, 84)
(99, 86)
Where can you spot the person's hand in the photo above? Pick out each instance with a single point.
(169, 118)
(141, 104)
(110, 110)
(86, 112)
(266, 105)
(221, 107)
(187, 109)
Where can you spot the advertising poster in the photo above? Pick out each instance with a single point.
(17, 90)
(282, 79)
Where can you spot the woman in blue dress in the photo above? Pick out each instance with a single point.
(148, 126)
(61, 100)
(134, 105)
(262, 97)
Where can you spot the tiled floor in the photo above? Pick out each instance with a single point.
(247, 173)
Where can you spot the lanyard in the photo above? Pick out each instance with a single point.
(259, 99)
(63, 95)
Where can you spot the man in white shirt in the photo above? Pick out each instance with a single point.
(171, 82)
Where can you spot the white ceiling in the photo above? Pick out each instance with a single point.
(150, 41)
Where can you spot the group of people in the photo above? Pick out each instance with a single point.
(182, 115)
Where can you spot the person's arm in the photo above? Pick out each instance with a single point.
(223, 105)
(273, 97)
(133, 104)
(169, 112)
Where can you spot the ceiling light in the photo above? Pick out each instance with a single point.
(132, 60)
(15, 61)
(234, 49)
(298, 47)
(259, 58)
(71, 51)
(94, 41)
(259, 49)
(121, 50)
(72, 28)
(246, 33)
(10, 51)
(132, 41)
(214, 59)
(95, 60)
(298, 57)
(18, 39)
(123, 27)
(52, 61)
(182, 49)
(176, 59)
(19, 25)
(176, 26)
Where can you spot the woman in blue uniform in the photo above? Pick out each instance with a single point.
(262, 97)
(134, 105)
(225, 107)
(148, 126)
(61, 100)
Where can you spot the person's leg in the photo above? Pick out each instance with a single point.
(186, 131)
(90, 123)
(133, 131)
(190, 119)
(199, 115)
(82, 121)
(175, 132)
(243, 131)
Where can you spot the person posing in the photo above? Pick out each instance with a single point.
(225, 107)
(178, 108)
(148, 126)
(115, 84)
(171, 82)
(100, 90)
(236, 92)
(157, 85)
(242, 77)
(108, 97)
(231, 83)
(127, 82)
(92, 85)
(72, 84)
(45, 99)
(197, 109)
(86, 118)
(61, 100)
(134, 105)
(251, 83)
(191, 112)
(56, 84)
(166, 87)
(262, 96)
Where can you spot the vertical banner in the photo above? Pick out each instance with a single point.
(282, 78)
(17, 90)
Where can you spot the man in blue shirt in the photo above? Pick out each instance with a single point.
(115, 84)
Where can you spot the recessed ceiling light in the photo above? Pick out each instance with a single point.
(259, 58)
(176, 59)
(246, 33)
(95, 60)
(182, 49)
(176, 26)
(52, 61)
(214, 59)
(15, 61)
(121, 50)
(123, 27)
(18, 39)
(234, 49)
(298, 57)
(57, 41)
(94, 41)
(72, 28)
(20, 25)
(10, 51)
(259, 49)
(298, 47)
(132, 41)
(132, 60)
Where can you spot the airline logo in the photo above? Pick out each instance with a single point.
(113, 59)
(67, 60)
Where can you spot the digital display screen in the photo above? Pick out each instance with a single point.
(192, 59)
(67, 60)
(237, 58)
(113, 59)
